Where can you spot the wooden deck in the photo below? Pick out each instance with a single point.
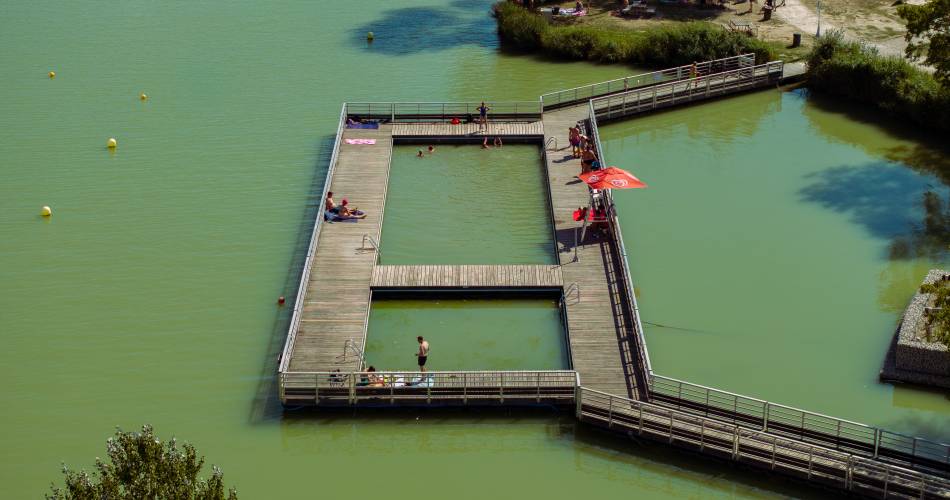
(519, 129)
(480, 276)
(595, 324)
(336, 303)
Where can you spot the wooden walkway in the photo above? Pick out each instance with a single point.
(519, 129)
(336, 304)
(480, 276)
(596, 327)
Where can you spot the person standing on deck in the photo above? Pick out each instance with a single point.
(423, 353)
(483, 116)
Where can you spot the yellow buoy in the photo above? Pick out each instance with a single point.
(111, 143)
(370, 36)
(52, 74)
(143, 96)
(46, 211)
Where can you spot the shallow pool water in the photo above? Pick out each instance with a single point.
(467, 205)
(467, 333)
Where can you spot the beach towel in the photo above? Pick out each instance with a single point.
(360, 141)
(332, 217)
(362, 125)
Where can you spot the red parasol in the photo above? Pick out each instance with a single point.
(611, 178)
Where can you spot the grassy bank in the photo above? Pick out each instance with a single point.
(667, 45)
(858, 73)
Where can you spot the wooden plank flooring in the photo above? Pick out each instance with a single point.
(467, 129)
(467, 276)
(597, 336)
(336, 303)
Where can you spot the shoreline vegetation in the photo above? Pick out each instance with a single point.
(666, 45)
(851, 70)
(859, 73)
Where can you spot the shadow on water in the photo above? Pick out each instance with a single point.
(929, 153)
(413, 30)
(653, 463)
(266, 405)
(881, 199)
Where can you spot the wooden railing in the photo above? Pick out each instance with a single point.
(692, 89)
(582, 94)
(816, 464)
(443, 111)
(752, 413)
(806, 426)
(418, 388)
(311, 249)
(642, 363)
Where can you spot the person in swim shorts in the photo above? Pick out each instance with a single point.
(423, 353)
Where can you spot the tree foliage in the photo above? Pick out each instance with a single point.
(928, 32)
(142, 467)
(859, 73)
(666, 45)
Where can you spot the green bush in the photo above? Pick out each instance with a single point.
(857, 72)
(667, 45)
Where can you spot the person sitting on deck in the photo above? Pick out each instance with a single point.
(330, 205)
(370, 378)
(344, 211)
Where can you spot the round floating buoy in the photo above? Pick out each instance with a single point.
(280, 300)
(111, 143)
(46, 211)
(370, 36)
(52, 74)
(143, 96)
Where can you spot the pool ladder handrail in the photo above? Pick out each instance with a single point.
(551, 139)
(373, 243)
(573, 287)
(349, 347)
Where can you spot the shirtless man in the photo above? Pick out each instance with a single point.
(330, 204)
(423, 353)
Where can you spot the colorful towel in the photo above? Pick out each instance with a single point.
(360, 141)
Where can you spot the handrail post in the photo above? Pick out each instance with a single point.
(352, 389)
(539, 386)
(765, 418)
(877, 441)
(502, 388)
(610, 412)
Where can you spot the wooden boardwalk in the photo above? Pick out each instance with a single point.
(519, 129)
(467, 276)
(336, 304)
(596, 326)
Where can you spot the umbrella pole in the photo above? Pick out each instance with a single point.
(584, 226)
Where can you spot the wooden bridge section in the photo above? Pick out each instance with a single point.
(466, 277)
(611, 384)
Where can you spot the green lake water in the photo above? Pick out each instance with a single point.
(467, 205)
(777, 245)
(149, 296)
(469, 333)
